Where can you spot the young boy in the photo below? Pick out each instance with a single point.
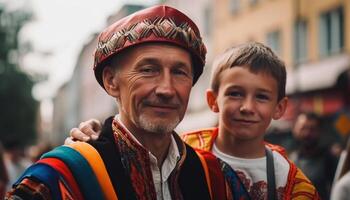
(248, 91)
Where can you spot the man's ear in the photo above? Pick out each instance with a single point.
(280, 108)
(211, 100)
(109, 78)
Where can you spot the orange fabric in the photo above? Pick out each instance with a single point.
(201, 139)
(299, 186)
(206, 171)
(96, 163)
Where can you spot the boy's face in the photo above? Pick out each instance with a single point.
(246, 103)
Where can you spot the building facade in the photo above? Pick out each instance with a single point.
(312, 37)
(82, 98)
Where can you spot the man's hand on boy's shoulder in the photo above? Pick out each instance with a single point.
(86, 131)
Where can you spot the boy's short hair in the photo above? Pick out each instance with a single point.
(257, 57)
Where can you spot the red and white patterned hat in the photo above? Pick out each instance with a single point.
(154, 24)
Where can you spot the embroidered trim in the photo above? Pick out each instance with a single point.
(135, 161)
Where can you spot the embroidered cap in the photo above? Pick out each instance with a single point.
(154, 24)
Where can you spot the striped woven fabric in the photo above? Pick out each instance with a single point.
(46, 175)
(64, 171)
(98, 167)
(80, 169)
(72, 172)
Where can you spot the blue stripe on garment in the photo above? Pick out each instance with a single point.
(80, 169)
(236, 185)
(46, 175)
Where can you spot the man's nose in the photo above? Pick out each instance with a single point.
(165, 86)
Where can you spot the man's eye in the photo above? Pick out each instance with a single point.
(180, 72)
(147, 70)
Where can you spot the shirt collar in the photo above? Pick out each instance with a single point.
(173, 152)
(117, 117)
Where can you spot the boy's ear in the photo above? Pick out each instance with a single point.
(110, 81)
(281, 108)
(211, 100)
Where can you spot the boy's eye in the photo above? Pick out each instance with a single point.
(262, 97)
(235, 94)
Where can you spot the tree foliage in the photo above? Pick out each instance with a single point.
(18, 109)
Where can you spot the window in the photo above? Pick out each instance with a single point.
(331, 32)
(300, 41)
(274, 41)
(234, 6)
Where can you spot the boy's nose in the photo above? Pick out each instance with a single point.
(247, 106)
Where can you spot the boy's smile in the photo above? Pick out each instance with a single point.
(246, 121)
(246, 103)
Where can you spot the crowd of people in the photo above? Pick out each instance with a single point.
(148, 62)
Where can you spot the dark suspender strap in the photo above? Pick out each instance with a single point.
(270, 170)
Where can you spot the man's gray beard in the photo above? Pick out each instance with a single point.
(158, 127)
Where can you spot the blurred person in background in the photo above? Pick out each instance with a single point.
(310, 155)
(37, 150)
(4, 179)
(15, 161)
(281, 136)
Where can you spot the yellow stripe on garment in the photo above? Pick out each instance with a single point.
(96, 163)
(206, 171)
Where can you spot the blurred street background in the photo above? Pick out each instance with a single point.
(47, 84)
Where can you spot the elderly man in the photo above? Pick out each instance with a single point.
(148, 62)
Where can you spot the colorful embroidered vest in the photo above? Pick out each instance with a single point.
(95, 171)
(298, 186)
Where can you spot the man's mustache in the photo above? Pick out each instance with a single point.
(159, 102)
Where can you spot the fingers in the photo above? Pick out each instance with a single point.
(96, 127)
(68, 140)
(76, 134)
(94, 137)
(88, 130)
(91, 128)
(95, 124)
